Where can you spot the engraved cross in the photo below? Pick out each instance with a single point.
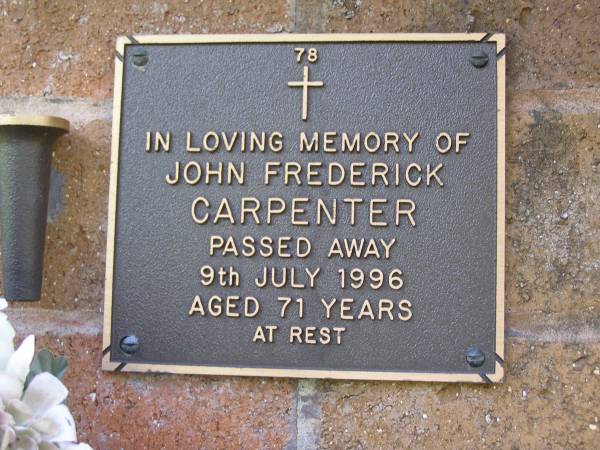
(305, 84)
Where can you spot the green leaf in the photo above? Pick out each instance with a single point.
(45, 361)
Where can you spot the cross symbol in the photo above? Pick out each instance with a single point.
(305, 84)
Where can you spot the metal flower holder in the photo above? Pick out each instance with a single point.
(25, 154)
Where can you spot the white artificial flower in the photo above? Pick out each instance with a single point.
(7, 334)
(35, 419)
(14, 365)
(41, 411)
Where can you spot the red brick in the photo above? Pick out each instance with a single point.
(66, 47)
(554, 44)
(548, 400)
(136, 411)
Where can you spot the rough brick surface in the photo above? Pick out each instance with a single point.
(66, 47)
(551, 44)
(133, 411)
(549, 400)
(553, 217)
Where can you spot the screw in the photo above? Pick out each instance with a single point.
(479, 60)
(130, 344)
(475, 357)
(140, 58)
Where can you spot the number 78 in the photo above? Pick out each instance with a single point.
(311, 55)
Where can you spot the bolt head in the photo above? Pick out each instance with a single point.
(130, 344)
(140, 58)
(475, 357)
(479, 59)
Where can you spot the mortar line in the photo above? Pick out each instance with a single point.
(57, 323)
(571, 335)
(308, 414)
(308, 16)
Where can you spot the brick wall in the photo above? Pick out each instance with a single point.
(57, 57)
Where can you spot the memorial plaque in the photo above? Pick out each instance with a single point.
(327, 206)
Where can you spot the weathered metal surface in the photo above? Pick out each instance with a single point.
(448, 259)
(25, 155)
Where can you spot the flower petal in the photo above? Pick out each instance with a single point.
(5, 419)
(10, 387)
(46, 427)
(19, 362)
(19, 410)
(7, 334)
(45, 445)
(24, 442)
(7, 437)
(44, 392)
(64, 423)
(72, 446)
(3, 303)
(30, 433)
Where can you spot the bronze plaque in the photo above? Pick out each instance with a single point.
(327, 206)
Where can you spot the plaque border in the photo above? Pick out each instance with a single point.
(482, 377)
